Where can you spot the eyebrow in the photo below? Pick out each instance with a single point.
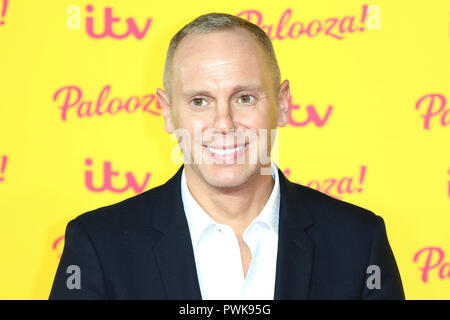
(254, 88)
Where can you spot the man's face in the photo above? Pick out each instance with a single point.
(223, 95)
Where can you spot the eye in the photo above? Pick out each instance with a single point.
(246, 99)
(197, 102)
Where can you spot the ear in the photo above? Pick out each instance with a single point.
(165, 105)
(283, 104)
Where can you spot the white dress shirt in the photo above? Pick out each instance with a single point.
(217, 254)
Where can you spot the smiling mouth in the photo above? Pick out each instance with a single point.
(225, 150)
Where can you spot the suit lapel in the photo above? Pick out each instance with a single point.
(174, 253)
(295, 247)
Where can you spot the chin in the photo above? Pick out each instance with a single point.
(226, 176)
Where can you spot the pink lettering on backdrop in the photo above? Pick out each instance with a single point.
(312, 115)
(336, 187)
(3, 12)
(4, 160)
(109, 20)
(434, 261)
(108, 173)
(434, 107)
(72, 102)
(286, 29)
(56, 244)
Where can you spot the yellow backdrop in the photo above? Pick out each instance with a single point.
(80, 126)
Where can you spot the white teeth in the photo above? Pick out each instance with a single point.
(225, 151)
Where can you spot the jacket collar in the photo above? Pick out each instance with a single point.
(295, 247)
(174, 253)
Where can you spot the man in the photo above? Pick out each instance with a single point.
(228, 224)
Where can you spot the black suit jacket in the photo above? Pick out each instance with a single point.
(141, 248)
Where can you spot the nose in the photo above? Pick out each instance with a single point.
(224, 119)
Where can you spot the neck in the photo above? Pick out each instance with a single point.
(236, 206)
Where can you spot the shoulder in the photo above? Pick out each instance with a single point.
(333, 214)
(134, 212)
(339, 229)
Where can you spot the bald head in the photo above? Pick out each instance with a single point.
(215, 23)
